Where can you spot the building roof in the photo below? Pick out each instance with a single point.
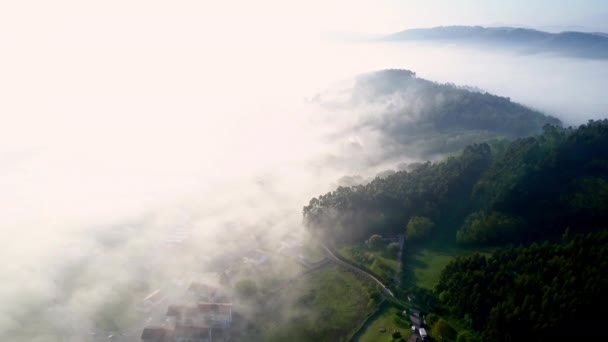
(191, 331)
(198, 287)
(153, 333)
(191, 310)
(201, 288)
(223, 308)
(179, 310)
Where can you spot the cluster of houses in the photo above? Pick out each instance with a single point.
(204, 313)
(206, 317)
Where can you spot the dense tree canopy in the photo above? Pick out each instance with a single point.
(526, 190)
(418, 228)
(442, 331)
(375, 242)
(387, 204)
(492, 227)
(467, 336)
(553, 181)
(545, 292)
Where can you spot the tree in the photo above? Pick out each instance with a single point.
(467, 336)
(487, 228)
(443, 331)
(418, 228)
(393, 248)
(246, 288)
(431, 319)
(375, 241)
(498, 295)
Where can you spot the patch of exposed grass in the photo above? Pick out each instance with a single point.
(389, 319)
(423, 263)
(326, 305)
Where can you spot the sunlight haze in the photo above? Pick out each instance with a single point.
(123, 122)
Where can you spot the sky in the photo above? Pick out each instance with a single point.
(117, 111)
(395, 15)
(237, 18)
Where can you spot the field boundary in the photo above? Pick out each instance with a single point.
(355, 335)
(360, 267)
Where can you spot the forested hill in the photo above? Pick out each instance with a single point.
(516, 191)
(514, 39)
(542, 292)
(417, 117)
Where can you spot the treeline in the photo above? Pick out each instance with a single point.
(509, 192)
(542, 292)
(541, 185)
(353, 213)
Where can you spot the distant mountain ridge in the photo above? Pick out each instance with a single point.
(592, 45)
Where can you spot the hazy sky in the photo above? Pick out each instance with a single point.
(84, 82)
(275, 17)
(394, 15)
(87, 85)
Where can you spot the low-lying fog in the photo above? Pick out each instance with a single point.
(106, 149)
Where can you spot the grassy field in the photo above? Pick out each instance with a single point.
(388, 318)
(423, 263)
(326, 305)
(423, 266)
(378, 261)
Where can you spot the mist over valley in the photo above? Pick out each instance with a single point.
(149, 171)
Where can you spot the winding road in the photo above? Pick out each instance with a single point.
(339, 261)
(332, 258)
